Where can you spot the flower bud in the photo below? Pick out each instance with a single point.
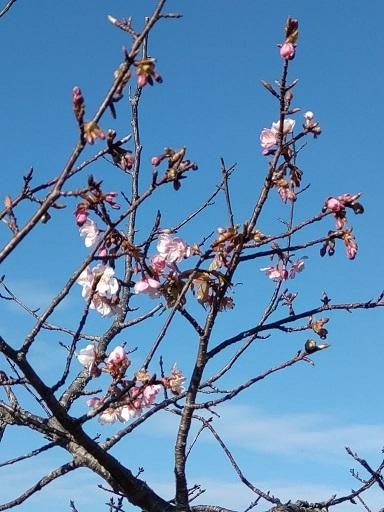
(287, 51)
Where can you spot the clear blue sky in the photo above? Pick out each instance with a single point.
(289, 432)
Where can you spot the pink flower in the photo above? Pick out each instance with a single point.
(149, 394)
(127, 412)
(277, 273)
(109, 416)
(172, 250)
(117, 357)
(334, 204)
(87, 356)
(90, 232)
(149, 286)
(176, 381)
(110, 198)
(287, 51)
(268, 138)
(94, 402)
(158, 264)
(296, 267)
(156, 160)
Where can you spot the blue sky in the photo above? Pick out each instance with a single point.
(289, 432)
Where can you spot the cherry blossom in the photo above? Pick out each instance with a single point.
(288, 126)
(117, 362)
(149, 286)
(172, 249)
(276, 272)
(158, 264)
(87, 356)
(176, 381)
(90, 232)
(296, 267)
(268, 138)
(117, 356)
(128, 412)
(109, 416)
(111, 199)
(334, 204)
(149, 394)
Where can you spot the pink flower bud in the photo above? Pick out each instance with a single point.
(333, 204)
(81, 218)
(103, 252)
(155, 161)
(287, 51)
(142, 80)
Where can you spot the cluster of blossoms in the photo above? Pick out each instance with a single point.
(170, 252)
(125, 399)
(101, 288)
(338, 206)
(283, 271)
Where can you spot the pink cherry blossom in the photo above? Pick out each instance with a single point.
(94, 402)
(158, 264)
(109, 416)
(287, 51)
(90, 232)
(108, 285)
(111, 199)
(276, 272)
(149, 286)
(268, 138)
(118, 356)
(172, 249)
(296, 267)
(87, 356)
(127, 412)
(334, 204)
(149, 394)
